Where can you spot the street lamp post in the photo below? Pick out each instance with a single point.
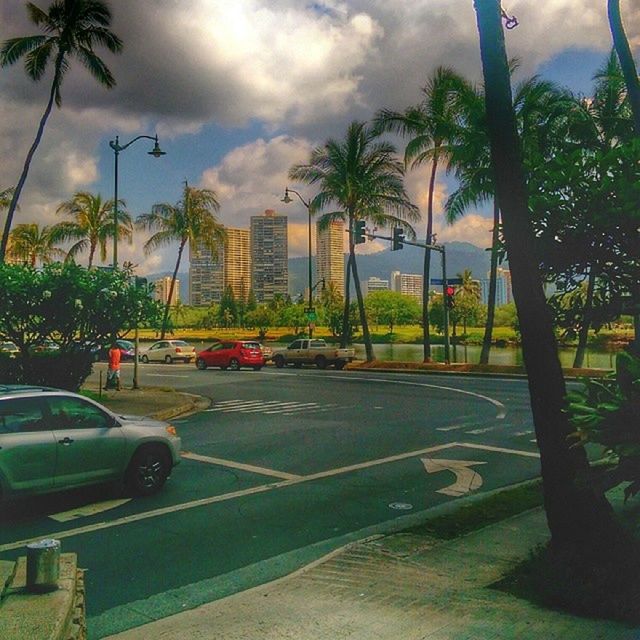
(156, 152)
(307, 204)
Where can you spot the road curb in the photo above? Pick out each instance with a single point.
(195, 403)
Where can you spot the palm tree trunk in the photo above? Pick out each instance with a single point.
(27, 163)
(625, 57)
(586, 321)
(621, 44)
(368, 347)
(171, 287)
(92, 250)
(579, 517)
(493, 276)
(344, 338)
(426, 337)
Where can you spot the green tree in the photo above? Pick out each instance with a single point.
(73, 28)
(262, 318)
(577, 516)
(363, 178)
(92, 224)
(467, 300)
(178, 314)
(30, 243)
(191, 220)
(429, 125)
(392, 308)
(292, 316)
(228, 309)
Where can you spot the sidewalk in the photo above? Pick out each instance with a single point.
(396, 587)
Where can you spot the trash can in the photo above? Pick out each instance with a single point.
(43, 565)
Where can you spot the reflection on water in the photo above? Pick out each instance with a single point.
(471, 354)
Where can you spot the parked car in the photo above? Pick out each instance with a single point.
(232, 354)
(9, 349)
(46, 346)
(52, 440)
(267, 353)
(316, 352)
(168, 351)
(127, 350)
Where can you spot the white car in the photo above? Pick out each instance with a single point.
(169, 351)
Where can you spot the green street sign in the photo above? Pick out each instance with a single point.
(312, 316)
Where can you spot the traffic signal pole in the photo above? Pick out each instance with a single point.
(440, 249)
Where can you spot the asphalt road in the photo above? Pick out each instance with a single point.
(284, 466)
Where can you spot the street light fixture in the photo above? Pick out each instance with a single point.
(307, 204)
(156, 152)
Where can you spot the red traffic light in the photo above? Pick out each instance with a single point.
(450, 290)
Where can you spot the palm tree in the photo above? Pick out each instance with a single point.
(364, 179)
(578, 517)
(92, 224)
(5, 198)
(72, 28)
(30, 243)
(429, 125)
(191, 220)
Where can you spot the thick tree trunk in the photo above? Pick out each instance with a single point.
(171, 287)
(426, 335)
(493, 276)
(577, 516)
(368, 347)
(27, 163)
(586, 321)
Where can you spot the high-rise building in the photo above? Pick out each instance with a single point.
(236, 259)
(209, 276)
(409, 284)
(162, 288)
(375, 284)
(206, 276)
(269, 256)
(504, 294)
(330, 255)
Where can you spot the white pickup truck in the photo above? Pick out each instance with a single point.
(316, 352)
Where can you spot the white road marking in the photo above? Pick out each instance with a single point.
(88, 510)
(467, 479)
(269, 407)
(254, 490)
(476, 432)
(453, 427)
(166, 375)
(486, 447)
(239, 465)
(502, 410)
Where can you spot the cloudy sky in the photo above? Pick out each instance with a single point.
(239, 91)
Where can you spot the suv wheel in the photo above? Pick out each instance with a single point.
(279, 361)
(148, 470)
(321, 362)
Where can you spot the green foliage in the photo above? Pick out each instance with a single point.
(392, 308)
(72, 306)
(261, 318)
(227, 309)
(292, 316)
(606, 412)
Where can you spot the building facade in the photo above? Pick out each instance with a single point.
(409, 284)
(504, 294)
(236, 261)
(330, 255)
(162, 288)
(375, 284)
(206, 276)
(269, 256)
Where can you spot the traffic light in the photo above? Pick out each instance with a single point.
(398, 239)
(359, 232)
(449, 294)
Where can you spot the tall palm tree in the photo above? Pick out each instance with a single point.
(191, 220)
(364, 179)
(30, 243)
(429, 125)
(5, 197)
(578, 518)
(72, 28)
(92, 224)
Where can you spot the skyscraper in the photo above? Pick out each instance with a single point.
(330, 255)
(209, 276)
(269, 256)
(409, 284)
(161, 291)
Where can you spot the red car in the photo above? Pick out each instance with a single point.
(231, 355)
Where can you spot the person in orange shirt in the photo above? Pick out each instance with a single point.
(113, 372)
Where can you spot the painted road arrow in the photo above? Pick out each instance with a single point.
(467, 479)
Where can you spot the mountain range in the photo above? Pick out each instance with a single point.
(460, 256)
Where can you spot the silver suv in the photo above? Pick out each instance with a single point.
(52, 440)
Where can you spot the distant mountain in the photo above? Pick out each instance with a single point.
(460, 256)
